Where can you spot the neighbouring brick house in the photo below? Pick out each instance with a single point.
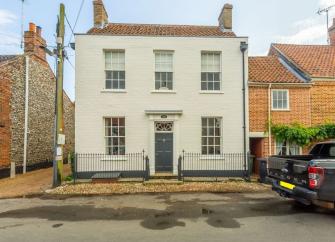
(15, 70)
(293, 84)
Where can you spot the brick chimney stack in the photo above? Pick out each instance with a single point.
(331, 33)
(226, 18)
(100, 14)
(33, 42)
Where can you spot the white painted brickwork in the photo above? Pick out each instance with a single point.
(93, 102)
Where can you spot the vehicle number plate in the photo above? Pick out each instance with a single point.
(287, 185)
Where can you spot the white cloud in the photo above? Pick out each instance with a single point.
(6, 17)
(9, 41)
(326, 3)
(312, 30)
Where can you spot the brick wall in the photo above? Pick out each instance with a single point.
(323, 102)
(258, 108)
(300, 107)
(4, 118)
(300, 111)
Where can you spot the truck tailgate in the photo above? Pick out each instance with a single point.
(291, 169)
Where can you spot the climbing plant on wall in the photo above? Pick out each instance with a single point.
(302, 135)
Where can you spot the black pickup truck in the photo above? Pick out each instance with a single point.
(309, 179)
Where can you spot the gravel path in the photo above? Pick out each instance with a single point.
(131, 188)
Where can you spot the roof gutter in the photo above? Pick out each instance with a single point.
(252, 83)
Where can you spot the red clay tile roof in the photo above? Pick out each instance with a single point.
(268, 69)
(315, 60)
(161, 30)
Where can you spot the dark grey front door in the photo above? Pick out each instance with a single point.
(164, 152)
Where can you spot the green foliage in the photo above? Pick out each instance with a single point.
(301, 135)
(68, 178)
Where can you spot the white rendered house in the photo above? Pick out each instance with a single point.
(160, 88)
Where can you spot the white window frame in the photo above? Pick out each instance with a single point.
(202, 71)
(207, 136)
(288, 100)
(111, 136)
(171, 52)
(107, 51)
(288, 146)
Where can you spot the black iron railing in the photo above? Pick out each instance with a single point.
(217, 165)
(132, 165)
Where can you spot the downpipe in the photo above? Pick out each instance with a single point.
(244, 48)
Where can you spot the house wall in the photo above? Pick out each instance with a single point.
(16, 71)
(5, 137)
(41, 112)
(299, 112)
(323, 102)
(93, 103)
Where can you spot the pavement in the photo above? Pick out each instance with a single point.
(31, 183)
(164, 217)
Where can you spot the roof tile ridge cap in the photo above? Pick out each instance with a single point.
(165, 25)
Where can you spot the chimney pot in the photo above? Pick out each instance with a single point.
(39, 31)
(32, 27)
(226, 17)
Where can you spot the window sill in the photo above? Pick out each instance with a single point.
(280, 110)
(114, 91)
(211, 92)
(164, 91)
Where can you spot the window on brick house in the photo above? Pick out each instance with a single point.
(163, 70)
(287, 148)
(115, 137)
(115, 69)
(211, 136)
(210, 71)
(280, 100)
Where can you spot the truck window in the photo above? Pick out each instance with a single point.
(316, 149)
(328, 150)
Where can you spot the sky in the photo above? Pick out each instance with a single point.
(263, 21)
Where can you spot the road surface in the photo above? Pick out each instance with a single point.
(164, 217)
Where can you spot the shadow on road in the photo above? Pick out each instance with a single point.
(220, 215)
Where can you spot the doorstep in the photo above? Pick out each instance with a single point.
(163, 175)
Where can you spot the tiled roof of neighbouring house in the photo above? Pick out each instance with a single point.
(6, 57)
(268, 69)
(314, 60)
(161, 30)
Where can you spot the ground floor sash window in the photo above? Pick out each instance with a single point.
(115, 138)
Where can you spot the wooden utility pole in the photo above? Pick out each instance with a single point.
(59, 138)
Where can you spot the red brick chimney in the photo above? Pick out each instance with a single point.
(33, 42)
(100, 14)
(331, 33)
